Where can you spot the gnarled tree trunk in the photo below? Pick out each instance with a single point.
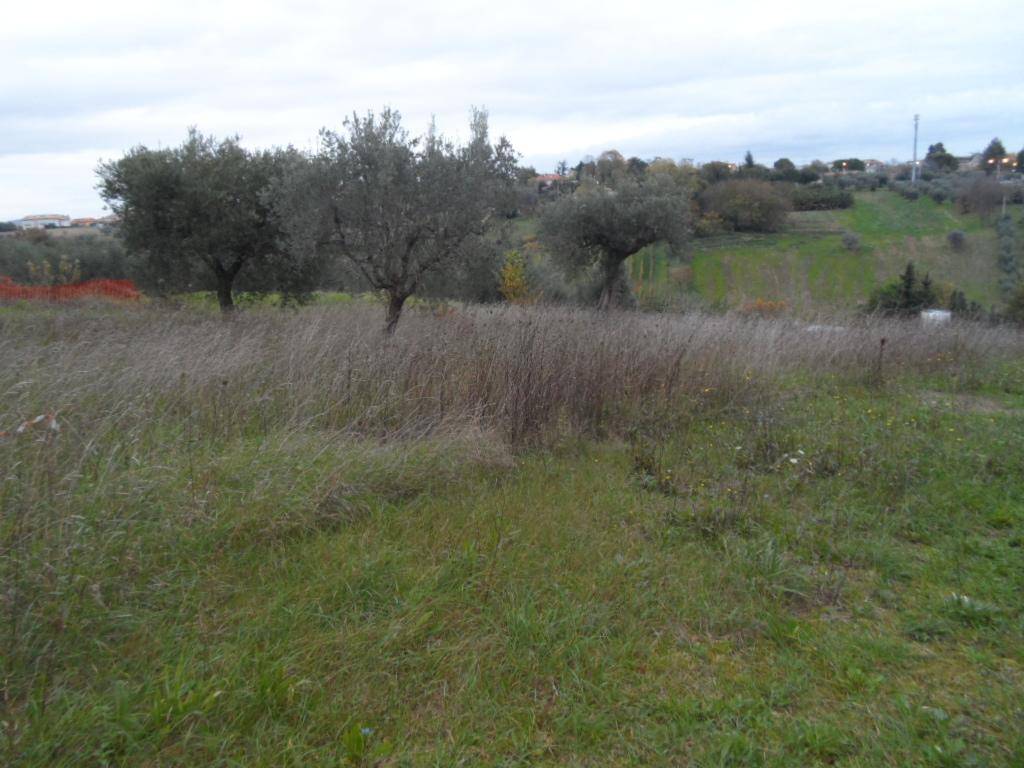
(224, 296)
(614, 279)
(225, 277)
(394, 311)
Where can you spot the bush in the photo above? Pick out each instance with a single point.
(957, 240)
(807, 176)
(858, 181)
(35, 256)
(548, 284)
(981, 196)
(851, 241)
(747, 205)
(709, 224)
(906, 190)
(820, 198)
(905, 297)
(513, 279)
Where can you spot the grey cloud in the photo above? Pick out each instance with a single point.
(802, 79)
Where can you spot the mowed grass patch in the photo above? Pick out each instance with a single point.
(824, 575)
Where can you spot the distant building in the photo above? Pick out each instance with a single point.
(971, 163)
(874, 166)
(85, 222)
(43, 221)
(551, 182)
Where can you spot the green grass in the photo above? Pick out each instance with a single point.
(809, 268)
(828, 577)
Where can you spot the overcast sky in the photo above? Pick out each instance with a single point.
(81, 81)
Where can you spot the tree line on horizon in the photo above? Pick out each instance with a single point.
(402, 215)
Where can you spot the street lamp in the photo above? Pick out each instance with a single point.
(998, 164)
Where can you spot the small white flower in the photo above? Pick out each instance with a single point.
(794, 461)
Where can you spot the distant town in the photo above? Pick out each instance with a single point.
(63, 221)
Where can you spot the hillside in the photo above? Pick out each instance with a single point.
(508, 537)
(809, 267)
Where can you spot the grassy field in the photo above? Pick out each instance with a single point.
(809, 267)
(504, 538)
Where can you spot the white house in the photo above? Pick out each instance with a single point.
(43, 220)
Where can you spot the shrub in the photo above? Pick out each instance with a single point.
(981, 196)
(957, 240)
(747, 205)
(548, 283)
(905, 189)
(513, 279)
(858, 181)
(35, 256)
(709, 224)
(851, 241)
(821, 198)
(906, 296)
(807, 176)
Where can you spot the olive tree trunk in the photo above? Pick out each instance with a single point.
(224, 295)
(614, 278)
(394, 311)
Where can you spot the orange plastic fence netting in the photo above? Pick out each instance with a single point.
(124, 290)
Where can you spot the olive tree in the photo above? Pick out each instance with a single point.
(397, 208)
(198, 215)
(605, 224)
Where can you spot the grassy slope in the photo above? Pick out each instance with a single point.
(679, 599)
(809, 267)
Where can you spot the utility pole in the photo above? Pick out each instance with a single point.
(913, 168)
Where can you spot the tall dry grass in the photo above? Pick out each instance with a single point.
(519, 371)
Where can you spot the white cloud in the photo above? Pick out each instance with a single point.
(561, 79)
